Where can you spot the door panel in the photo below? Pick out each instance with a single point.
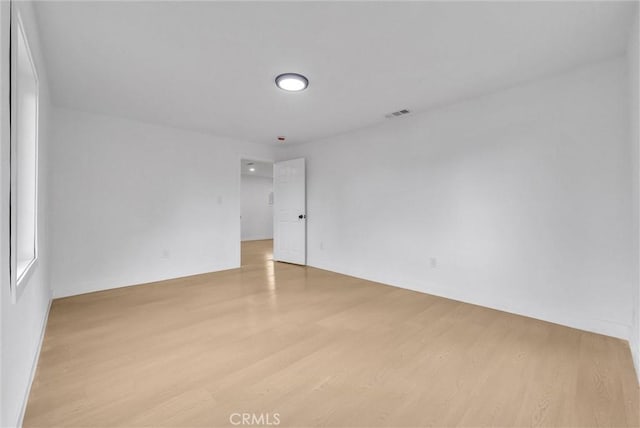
(289, 212)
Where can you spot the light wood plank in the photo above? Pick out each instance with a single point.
(320, 349)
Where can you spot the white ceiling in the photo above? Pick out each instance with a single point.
(262, 169)
(210, 66)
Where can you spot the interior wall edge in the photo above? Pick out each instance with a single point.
(34, 365)
(592, 325)
(95, 287)
(282, 152)
(247, 146)
(633, 71)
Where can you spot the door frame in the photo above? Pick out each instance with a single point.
(239, 175)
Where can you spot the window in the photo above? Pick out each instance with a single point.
(24, 155)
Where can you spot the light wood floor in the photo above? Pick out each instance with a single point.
(318, 349)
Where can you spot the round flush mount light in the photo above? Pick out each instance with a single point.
(292, 82)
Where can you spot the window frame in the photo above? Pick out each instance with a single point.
(17, 31)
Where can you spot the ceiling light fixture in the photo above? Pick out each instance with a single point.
(252, 169)
(292, 82)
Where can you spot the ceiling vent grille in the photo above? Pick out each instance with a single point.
(397, 114)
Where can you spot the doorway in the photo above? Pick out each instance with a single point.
(290, 216)
(256, 211)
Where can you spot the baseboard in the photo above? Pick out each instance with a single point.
(113, 283)
(576, 321)
(34, 366)
(635, 355)
(256, 238)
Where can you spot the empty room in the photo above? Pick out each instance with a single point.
(319, 213)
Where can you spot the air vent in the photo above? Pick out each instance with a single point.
(397, 114)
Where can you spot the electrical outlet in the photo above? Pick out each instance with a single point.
(433, 262)
(321, 245)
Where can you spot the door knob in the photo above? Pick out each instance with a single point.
(301, 216)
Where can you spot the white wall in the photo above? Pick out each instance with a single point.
(22, 322)
(135, 202)
(256, 212)
(634, 88)
(519, 200)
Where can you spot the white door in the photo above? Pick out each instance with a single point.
(289, 212)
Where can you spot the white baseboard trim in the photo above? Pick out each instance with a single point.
(112, 283)
(636, 358)
(575, 320)
(256, 238)
(34, 365)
